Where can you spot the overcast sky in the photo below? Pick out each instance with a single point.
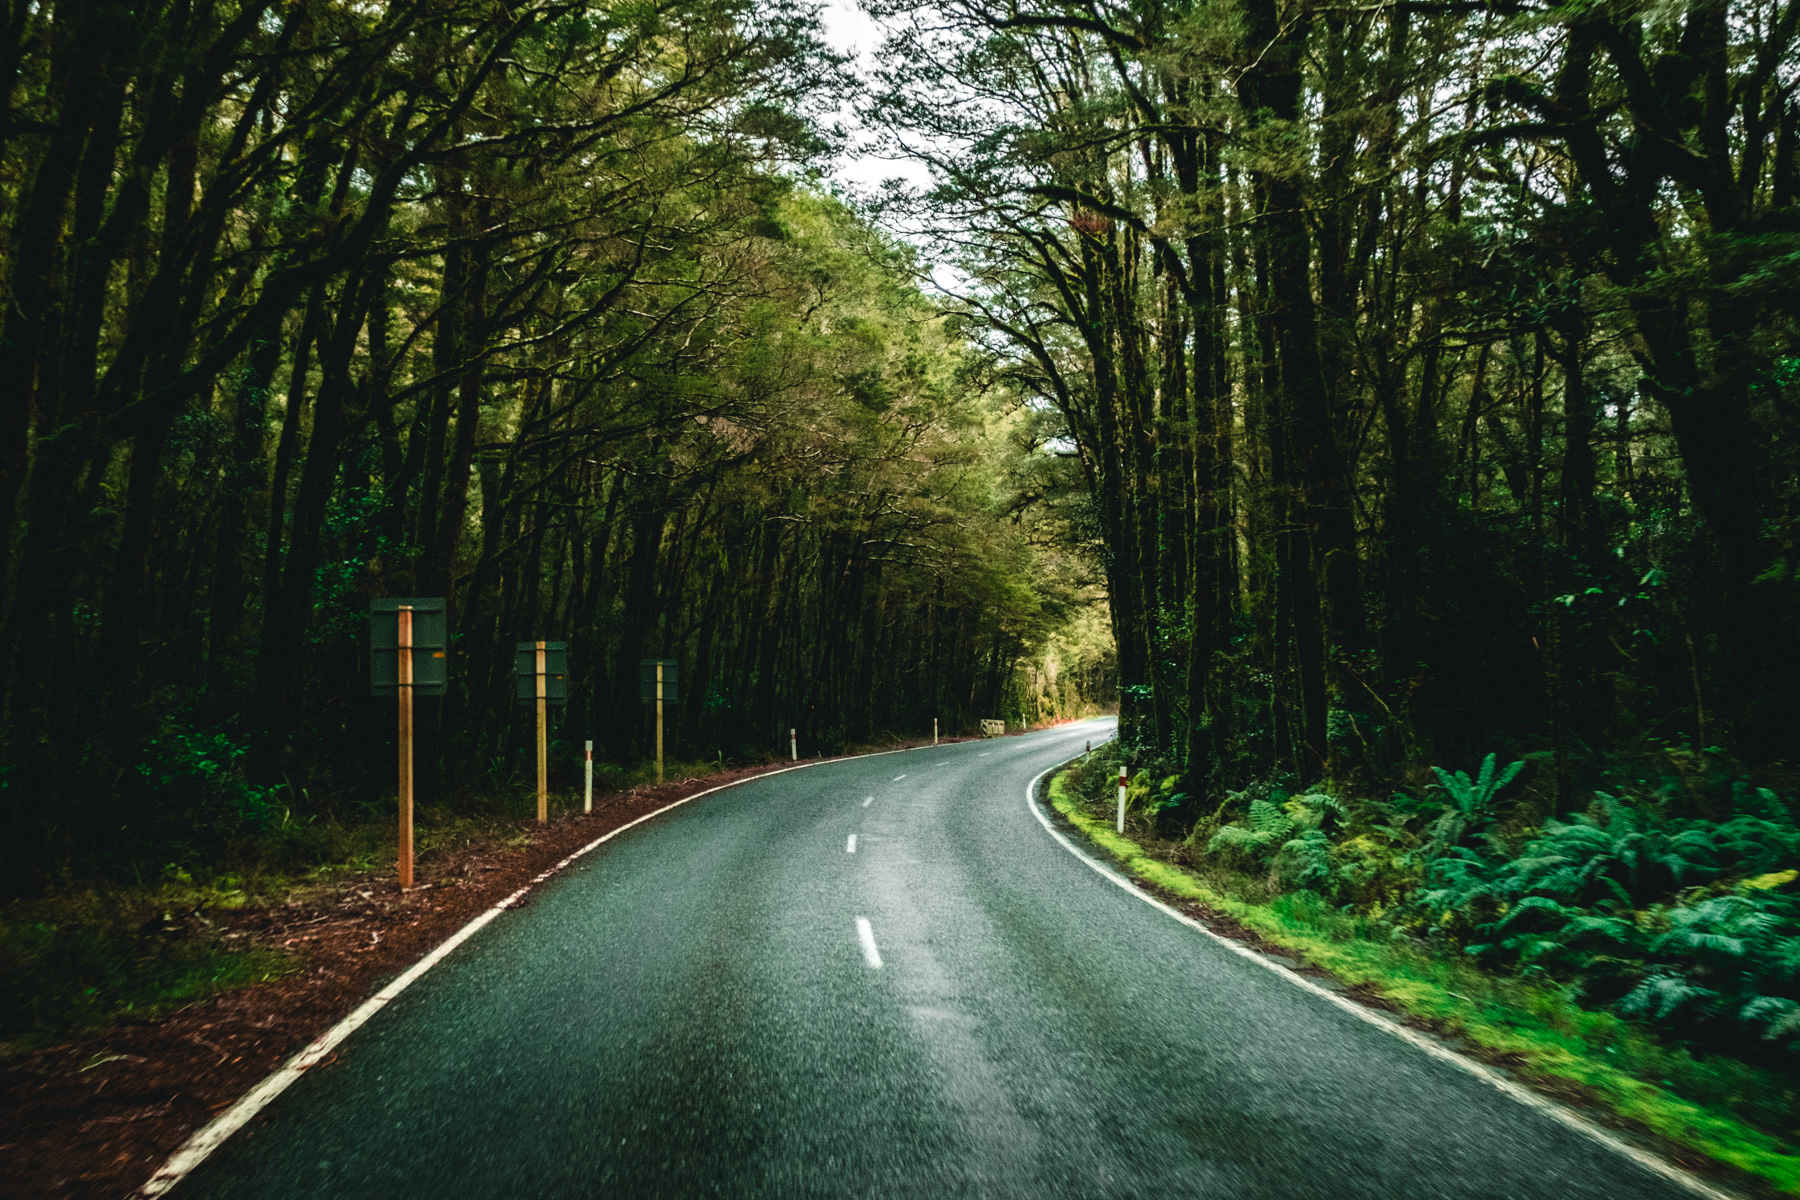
(850, 30)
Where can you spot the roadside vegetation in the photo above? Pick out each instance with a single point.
(1634, 954)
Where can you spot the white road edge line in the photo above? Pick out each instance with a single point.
(209, 1137)
(850, 847)
(1487, 1075)
(866, 935)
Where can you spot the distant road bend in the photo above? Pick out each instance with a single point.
(882, 977)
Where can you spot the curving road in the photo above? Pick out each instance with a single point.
(696, 1010)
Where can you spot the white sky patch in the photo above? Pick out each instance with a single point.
(849, 30)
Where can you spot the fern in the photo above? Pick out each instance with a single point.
(1471, 802)
(1268, 821)
(1305, 861)
(1475, 797)
(1778, 1016)
(1663, 994)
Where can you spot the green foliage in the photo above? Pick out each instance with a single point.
(1687, 924)
(188, 794)
(80, 962)
(1471, 803)
(1290, 838)
(1680, 921)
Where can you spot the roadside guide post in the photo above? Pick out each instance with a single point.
(1121, 797)
(587, 778)
(934, 740)
(793, 746)
(407, 643)
(657, 680)
(542, 673)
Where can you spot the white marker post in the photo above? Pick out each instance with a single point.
(793, 746)
(587, 785)
(934, 740)
(1121, 798)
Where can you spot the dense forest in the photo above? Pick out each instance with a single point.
(539, 308)
(1426, 377)
(1432, 369)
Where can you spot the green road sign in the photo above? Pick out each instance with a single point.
(430, 644)
(647, 679)
(556, 673)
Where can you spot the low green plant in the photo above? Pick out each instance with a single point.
(1471, 803)
(77, 963)
(1290, 838)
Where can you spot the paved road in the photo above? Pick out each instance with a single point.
(694, 1011)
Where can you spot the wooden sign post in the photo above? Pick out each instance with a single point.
(407, 641)
(543, 730)
(657, 680)
(542, 670)
(403, 686)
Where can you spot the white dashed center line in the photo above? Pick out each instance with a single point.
(850, 848)
(898, 778)
(868, 800)
(984, 754)
(867, 936)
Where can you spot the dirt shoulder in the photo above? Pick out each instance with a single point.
(96, 1115)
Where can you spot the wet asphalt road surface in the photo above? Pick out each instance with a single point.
(694, 1010)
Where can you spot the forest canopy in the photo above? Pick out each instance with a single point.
(1410, 382)
(540, 308)
(1433, 368)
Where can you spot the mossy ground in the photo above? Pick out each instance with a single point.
(1726, 1109)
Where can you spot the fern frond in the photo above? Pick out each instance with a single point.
(1534, 904)
(1236, 837)
(1306, 860)
(1268, 820)
(1661, 994)
(1506, 776)
(1780, 1015)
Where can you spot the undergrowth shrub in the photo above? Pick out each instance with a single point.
(1674, 900)
(188, 790)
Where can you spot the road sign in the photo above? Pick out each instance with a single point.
(647, 679)
(430, 645)
(556, 673)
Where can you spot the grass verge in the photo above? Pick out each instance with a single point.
(1722, 1108)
